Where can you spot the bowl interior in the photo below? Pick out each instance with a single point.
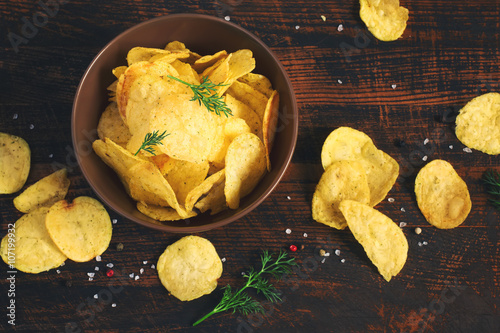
(201, 34)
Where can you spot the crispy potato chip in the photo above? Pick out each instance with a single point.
(161, 213)
(341, 180)
(382, 170)
(177, 46)
(111, 125)
(189, 268)
(15, 163)
(241, 110)
(442, 196)
(81, 229)
(245, 166)
(215, 200)
(44, 192)
(478, 124)
(186, 72)
(233, 127)
(383, 241)
(385, 19)
(118, 71)
(234, 66)
(207, 61)
(269, 124)
(138, 54)
(202, 189)
(259, 82)
(30, 248)
(250, 96)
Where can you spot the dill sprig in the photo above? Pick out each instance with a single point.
(206, 93)
(151, 140)
(240, 301)
(492, 179)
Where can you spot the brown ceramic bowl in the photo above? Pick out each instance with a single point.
(204, 35)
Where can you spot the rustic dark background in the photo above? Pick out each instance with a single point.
(405, 90)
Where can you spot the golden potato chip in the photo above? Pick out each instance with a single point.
(44, 192)
(204, 188)
(161, 213)
(442, 196)
(250, 96)
(138, 54)
(215, 200)
(118, 71)
(15, 163)
(189, 268)
(385, 19)
(233, 127)
(234, 66)
(177, 46)
(111, 125)
(245, 165)
(346, 143)
(341, 180)
(241, 110)
(81, 229)
(30, 248)
(269, 124)
(383, 241)
(186, 72)
(478, 124)
(207, 61)
(259, 82)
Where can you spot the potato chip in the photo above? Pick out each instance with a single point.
(241, 110)
(442, 196)
(233, 127)
(111, 125)
(176, 46)
(138, 54)
(346, 143)
(385, 19)
(15, 163)
(250, 96)
(341, 180)
(245, 165)
(207, 61)
(189, 268)
(270, 123)
(207, 185)
(215, 200)
(30, 248)
(81, 229)
(234, 66)
(259, 82)
(44, 192)
(383, 241)
(478, 124)
(160, 213)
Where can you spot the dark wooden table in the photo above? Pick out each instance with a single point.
(407, 90)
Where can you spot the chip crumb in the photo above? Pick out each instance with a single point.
(450, 146)
(393, 86)
(467, 150)
(96, 296)
(339, 81)
(390, 199)
(223, 259)
(323, 17)
(119, 247)
(426, 141)
(98, 258)
(342, 260)
(340, 27)
(305, 234)
(418, 231)
(110, 265)
(288, 231)
(141, 270)
(424, 158)
(302, 246)
(337, 252)
(402, 224)
(113, 305)
(322, 252)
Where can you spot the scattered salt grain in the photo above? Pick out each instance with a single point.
(426, 141)
(58, 271)
(153, 266)
(288, 197)
(340, 27)
(223, 260)
(450, 146)
(393, 86)
(137, 277)
(91, 274)
(131, 275)
(424, 243)
(227, 18)
(339, 81)
(337, 252)
(62, 264)
(297, 27)
(424, 158)
(327, 254)
(96, 268)
(91, 279)
(141, 270)
(15, 116)
(403, 209)
(32, 126)
(419, 243)
(467, 150)
(323, 17)
(113, 305)
(402, 224)
(288, 231)
(342, 260)
(145, 262)
(390, 199)
(51, 155)
(305, 234)
(115, 221)
(323, 260)
(96, 296)
(98, 258)
(110, 265)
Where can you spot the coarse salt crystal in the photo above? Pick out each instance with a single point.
(96, 268)
(227, 18)
(342, 260)
(327, 254)
(145, 262)
(297, 27)
(98, 258)
(58, 271)
(288, 197)
(91, 274)
(153, 266)
(15, 116)
(113, 305)
(288, 231)
(114, 221)
(323, 17)
(402, 224)
(340, 27)
(424, 158)
(339, 81)
(426, 141)
(62, 264)
(141, 270)
(393, 86)
(96, 296)
(110, 265)
(337, 252)
(51, 155)
(450, 146)
(424, 243)
(137, 277)
(403, 209)
(91, 279)
(131, 275)
(32, 126)
(419, 243)
(305, 234)
(223, 260)
(390, 199)
(467, 150)
(323, 260)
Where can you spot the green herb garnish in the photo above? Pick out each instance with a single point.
(240, 301)
(205, 93)
(492, 180)
(151, 140)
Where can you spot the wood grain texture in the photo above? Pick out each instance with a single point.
(404, 90)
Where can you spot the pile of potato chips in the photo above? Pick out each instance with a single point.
(357, 177)
(207, 162)
(51, 229)
(385, 19)
(190, 268)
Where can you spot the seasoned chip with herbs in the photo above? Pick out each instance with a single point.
(385, 19)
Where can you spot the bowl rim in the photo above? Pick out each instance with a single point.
(211, 225)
